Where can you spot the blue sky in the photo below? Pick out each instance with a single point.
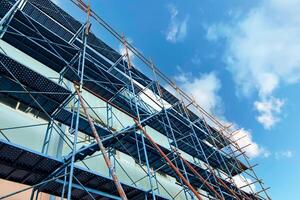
(239, 59)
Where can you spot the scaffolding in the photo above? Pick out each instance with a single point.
(54, 38)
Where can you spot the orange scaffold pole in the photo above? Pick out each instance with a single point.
(199, 176)
(219, 179)
(176, 170)
(221, 182)
(102, 148)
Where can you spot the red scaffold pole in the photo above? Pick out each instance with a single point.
(102, 148)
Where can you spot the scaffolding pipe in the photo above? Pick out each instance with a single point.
(197, 174)
(165, 157)
(219, 179)
(87, 9)
(82, 5)
(102, 148)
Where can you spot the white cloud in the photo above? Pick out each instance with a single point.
(263, 51)
(216, 31)
(284, 154)
(177, 29)
(278, 155)
(243, 182)
(204, 89)
(183, 78)
(245, 141)
(268, 110)
(266, 153)
(196, 59)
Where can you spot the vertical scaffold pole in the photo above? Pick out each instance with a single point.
(159, 98)
(138, 116)
(81, 65)
(194, 135)
(102, 148)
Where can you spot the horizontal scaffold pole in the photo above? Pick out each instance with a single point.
(102, 148)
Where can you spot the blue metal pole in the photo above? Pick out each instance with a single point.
(64, 185)
(201, 148)
(47, 137)
(176, 145)
(7, 18)
(81, 72)
(173, 136)
(143, 140)
(138, 118)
